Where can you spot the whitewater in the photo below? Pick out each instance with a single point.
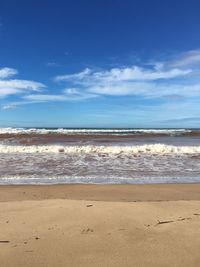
(113, 156)
(150, 149)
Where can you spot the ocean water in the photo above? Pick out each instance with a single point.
(51, 156)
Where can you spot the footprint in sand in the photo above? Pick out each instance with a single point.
(87, 231)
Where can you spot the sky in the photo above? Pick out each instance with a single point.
(100, 63)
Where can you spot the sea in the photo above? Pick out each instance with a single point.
(99, 156)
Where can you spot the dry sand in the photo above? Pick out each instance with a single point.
(92, 225)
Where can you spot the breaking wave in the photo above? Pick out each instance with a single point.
(92, 131)
(149, 149)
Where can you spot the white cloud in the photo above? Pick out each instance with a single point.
(158, 81)
(20, 84)
(9, 86)
(170, 80)
(150, 90)
(188, 59)
(71, 91)
(81, 75)
(69, 94)
(134, 73)
(43, 97)
(9, 106)
(7, 72)
(25, 89)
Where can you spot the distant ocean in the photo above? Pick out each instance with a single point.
(100, 156)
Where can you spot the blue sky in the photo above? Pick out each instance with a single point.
(100, 63)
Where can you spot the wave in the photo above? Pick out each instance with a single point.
(92, 131)
(95, 180)
(150, 149)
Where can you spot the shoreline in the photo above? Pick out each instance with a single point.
(108, 192)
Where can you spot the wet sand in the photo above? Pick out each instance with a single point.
(112, 193)
(100, 225)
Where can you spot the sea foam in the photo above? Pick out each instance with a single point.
(91, 131)
(150, 149)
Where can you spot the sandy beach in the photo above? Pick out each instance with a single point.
(100, 225)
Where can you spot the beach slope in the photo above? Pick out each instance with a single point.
(116, 225)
